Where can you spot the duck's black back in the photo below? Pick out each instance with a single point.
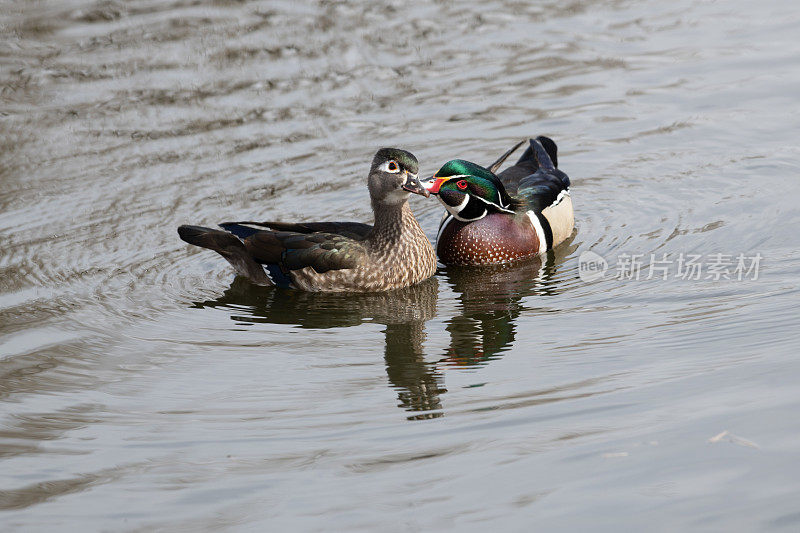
(535, 178)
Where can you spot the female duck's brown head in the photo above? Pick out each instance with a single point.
(393, 177)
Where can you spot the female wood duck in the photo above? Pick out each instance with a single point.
(522, 212)
(335, 256)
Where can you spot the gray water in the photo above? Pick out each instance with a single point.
(143, 387)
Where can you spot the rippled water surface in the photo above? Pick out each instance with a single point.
(142, 386)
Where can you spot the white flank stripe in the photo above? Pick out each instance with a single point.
(539, 231)
(446, 221)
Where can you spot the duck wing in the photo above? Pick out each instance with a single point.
(535, 178)
(247, 249)
(353, 230)
(293, 251)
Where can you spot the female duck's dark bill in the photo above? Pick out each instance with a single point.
(412, 184)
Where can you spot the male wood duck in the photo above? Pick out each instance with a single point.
(522, 212)
(335, 256)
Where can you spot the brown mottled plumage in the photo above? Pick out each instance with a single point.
(396, 253)
(335, 256)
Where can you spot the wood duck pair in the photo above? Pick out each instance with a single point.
(490, 219)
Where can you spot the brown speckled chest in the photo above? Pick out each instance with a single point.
(492, 239)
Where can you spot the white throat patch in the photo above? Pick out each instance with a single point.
(454, 210)
(396, 197)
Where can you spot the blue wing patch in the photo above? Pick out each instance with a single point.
(278, 277)
(240, 230)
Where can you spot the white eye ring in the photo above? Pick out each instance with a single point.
(390, 166)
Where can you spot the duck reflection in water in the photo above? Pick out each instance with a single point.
(483, 328)
(491, 299)
(404, 312)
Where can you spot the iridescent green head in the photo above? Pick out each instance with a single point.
(469, 191)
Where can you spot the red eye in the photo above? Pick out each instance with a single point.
(393, 166)
(461, 184)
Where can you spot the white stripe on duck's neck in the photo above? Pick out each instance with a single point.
(468, 201)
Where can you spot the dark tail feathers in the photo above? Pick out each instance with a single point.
(212, 239)
(229, 247)
(544, 153)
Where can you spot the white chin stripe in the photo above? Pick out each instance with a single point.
(454, 210)
(537, 225)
